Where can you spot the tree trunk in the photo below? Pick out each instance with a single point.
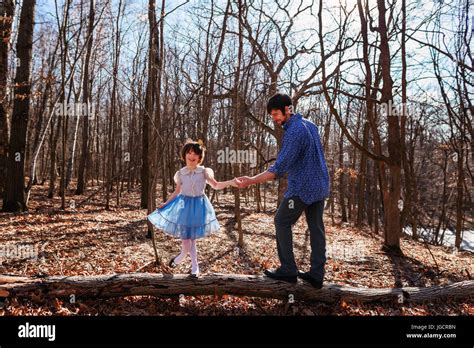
(81, 179)
(167, 285)
(394, 143)
(144, 171)
(342, 184)
(362, 178)
(153, 115)
(65, 122)
(7, 9)
(459, 197)
(237, 127)
(53, 139)
(70, 162)
(111, 126)
(14, 199)
(161, 143)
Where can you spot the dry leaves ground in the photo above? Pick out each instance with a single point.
(89, 240)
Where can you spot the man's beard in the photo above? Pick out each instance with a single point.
(284, 121)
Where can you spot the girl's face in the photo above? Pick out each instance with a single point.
(192, 158)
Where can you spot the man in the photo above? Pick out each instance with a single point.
(302, 158)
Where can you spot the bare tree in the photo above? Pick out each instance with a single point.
(86, 86)
(14, 198)
(6, 12)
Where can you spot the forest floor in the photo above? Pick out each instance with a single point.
(89, 240)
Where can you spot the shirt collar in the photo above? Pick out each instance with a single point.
(292, 120)
(186, 171)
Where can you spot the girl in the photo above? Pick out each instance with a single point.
(188, 213)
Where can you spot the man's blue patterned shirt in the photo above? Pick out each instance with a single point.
(302, 157)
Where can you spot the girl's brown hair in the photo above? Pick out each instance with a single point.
(197, 147)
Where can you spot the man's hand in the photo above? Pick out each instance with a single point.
(233, 182)
(244, 181)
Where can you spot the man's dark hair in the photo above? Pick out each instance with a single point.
(278, 102)
(195, 147)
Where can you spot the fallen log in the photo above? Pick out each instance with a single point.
(169, 285)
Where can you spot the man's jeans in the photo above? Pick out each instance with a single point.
(287, 215)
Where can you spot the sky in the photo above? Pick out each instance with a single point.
(178, 23)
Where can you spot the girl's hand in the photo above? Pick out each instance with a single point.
(244, 181)
(233, 182)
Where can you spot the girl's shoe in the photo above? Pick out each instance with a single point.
(195, 274)
(172, 264)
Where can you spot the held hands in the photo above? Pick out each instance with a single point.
(233, 182)
(243, 181)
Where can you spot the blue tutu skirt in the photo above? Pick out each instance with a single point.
(186, 217)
